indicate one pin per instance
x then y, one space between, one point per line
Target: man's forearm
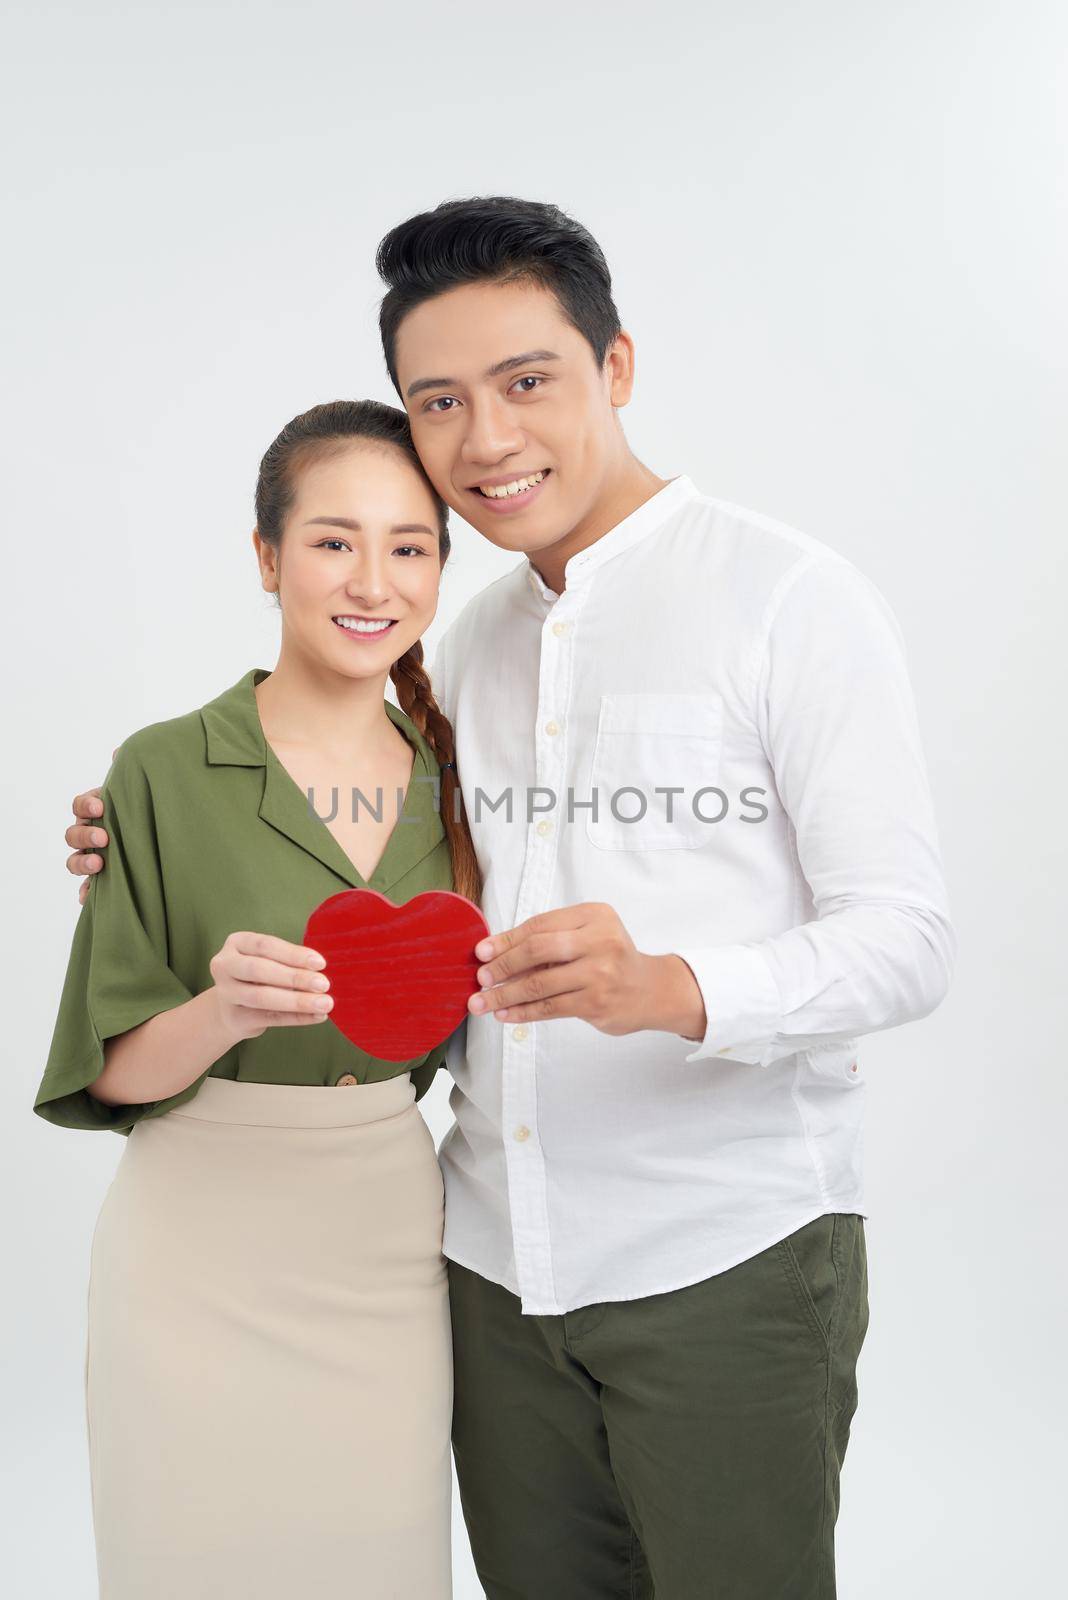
164 1055
835 978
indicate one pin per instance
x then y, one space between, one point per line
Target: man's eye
530 379
443 401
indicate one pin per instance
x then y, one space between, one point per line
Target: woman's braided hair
308 438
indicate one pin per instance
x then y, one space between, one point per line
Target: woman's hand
262 982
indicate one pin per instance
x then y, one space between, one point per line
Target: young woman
268 1377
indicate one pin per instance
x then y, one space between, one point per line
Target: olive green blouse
209 834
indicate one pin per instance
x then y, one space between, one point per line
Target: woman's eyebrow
355 527
495 371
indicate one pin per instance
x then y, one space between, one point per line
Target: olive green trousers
687 1445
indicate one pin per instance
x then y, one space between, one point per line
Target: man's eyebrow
507 365
354 527
524 360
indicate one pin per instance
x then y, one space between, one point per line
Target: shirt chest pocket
653 742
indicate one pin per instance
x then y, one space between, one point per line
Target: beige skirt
269 1374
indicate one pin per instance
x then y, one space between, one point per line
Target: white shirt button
544 827
521 1133
552 728
725 1050
560 628
520 1033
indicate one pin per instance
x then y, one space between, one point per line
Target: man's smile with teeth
500 491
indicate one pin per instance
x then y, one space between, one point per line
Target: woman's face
360 548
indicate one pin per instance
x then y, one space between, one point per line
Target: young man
691 763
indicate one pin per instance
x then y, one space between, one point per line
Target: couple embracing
674 755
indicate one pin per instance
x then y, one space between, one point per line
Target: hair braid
417 701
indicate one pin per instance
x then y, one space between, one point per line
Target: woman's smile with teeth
364 625
503 491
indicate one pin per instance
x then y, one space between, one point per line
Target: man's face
503 392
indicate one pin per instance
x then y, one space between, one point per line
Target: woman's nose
368 586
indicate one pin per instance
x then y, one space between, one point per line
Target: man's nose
490 436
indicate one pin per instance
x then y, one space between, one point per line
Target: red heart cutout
400 976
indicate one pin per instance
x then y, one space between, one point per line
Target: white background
838 236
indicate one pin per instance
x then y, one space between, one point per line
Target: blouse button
559 628
348 1078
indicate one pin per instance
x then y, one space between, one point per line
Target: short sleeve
117 973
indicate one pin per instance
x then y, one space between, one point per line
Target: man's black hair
497 239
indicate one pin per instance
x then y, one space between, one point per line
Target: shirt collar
234 732
235 737
645 520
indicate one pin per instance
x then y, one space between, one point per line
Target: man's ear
619 366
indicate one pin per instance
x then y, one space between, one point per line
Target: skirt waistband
298 1105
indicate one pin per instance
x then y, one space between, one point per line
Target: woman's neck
303 705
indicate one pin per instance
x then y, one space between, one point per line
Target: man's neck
628 489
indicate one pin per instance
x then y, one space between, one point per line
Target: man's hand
84 837
580 961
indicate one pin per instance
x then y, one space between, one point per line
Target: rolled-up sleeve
838 722
117 972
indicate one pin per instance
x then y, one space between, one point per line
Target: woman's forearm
164 1055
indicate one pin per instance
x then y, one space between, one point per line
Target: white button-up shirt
740 691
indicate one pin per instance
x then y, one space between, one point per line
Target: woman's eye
335 544
443 401
529 379
414 548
